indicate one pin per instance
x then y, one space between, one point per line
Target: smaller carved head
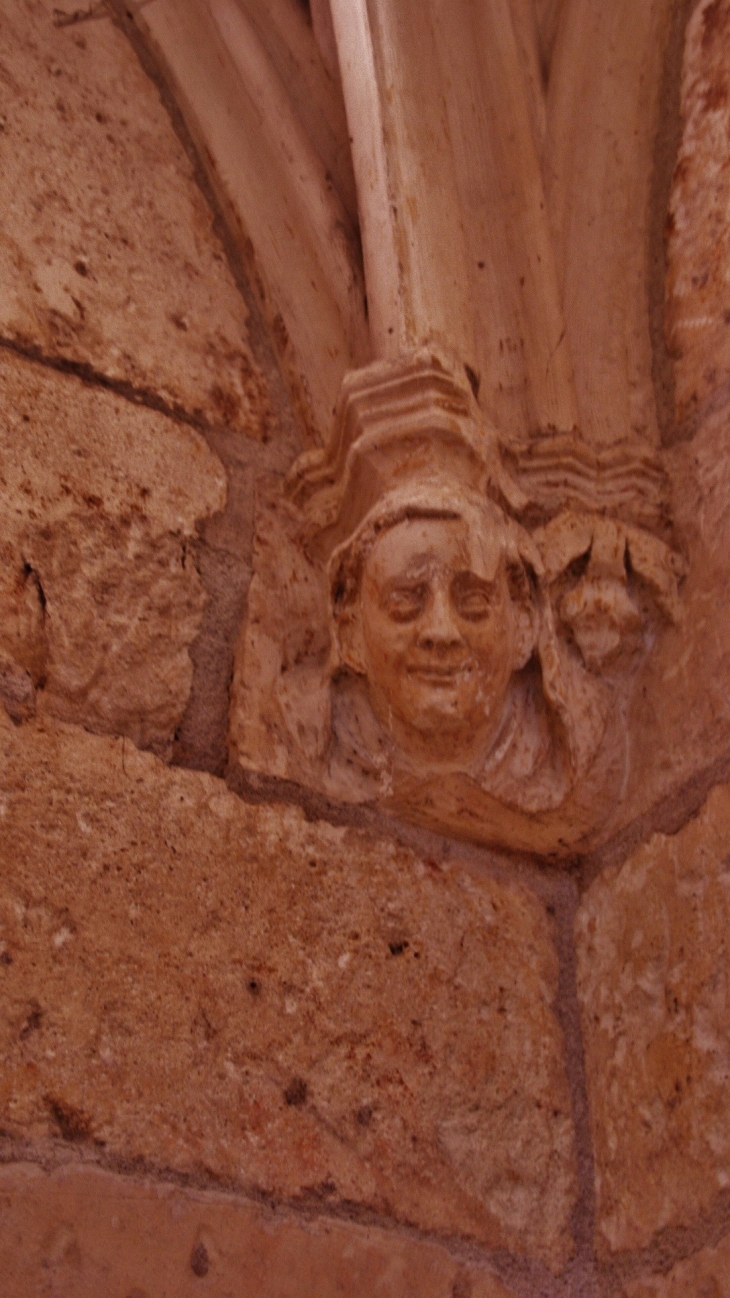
433 604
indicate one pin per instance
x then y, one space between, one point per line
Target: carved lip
435 675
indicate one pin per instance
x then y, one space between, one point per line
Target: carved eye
404 603
472 598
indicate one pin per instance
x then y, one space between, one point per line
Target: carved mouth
439 676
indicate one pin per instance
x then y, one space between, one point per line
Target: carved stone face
438 636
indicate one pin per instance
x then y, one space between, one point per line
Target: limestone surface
653 964
231 991
108 257
680 722
698 290
99 595
706 1275
680 717
86 1232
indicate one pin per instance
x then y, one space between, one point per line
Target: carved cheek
386 642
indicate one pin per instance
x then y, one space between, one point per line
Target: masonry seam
138 396
581 1278
669 816
56 1155
672 1245
123 14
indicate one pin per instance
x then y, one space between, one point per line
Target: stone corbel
470 643
598 608
493 453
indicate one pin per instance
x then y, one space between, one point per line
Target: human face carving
435 636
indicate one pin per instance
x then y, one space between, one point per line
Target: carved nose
438 629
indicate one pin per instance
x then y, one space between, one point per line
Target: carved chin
438 707
437 703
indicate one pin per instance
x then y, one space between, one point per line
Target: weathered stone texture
685 692
706 1275
680 719
698 286
654 966
82 1232
680 723
99 595
229 990
107 253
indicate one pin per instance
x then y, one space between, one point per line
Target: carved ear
349 639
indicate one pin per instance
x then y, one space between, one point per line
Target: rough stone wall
251 1042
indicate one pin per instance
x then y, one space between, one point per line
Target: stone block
108 256
315 1015
698 292
653 969
81 1232
99 595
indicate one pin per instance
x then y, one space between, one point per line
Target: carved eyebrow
404 584
418 567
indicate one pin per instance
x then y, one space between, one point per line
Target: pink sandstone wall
252 1043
